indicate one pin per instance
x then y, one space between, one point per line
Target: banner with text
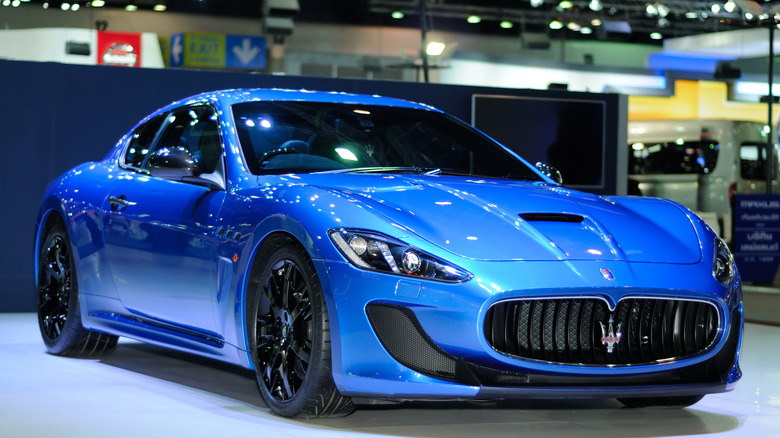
757 237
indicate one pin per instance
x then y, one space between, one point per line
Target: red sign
119 48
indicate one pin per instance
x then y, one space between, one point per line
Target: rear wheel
59 316
287 323
662 402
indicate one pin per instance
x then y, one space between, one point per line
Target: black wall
54 116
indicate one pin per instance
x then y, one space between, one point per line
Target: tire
57 298
289 335
662 402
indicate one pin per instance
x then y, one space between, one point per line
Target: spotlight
435 48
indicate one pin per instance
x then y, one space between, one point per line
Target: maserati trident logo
610 337
606 273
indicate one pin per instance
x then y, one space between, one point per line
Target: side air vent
552 217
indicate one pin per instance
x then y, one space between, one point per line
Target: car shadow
437 419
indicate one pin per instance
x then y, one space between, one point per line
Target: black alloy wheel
59 316
284 335
289 335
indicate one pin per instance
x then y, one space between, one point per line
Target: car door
158 229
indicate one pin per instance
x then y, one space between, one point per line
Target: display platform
143 390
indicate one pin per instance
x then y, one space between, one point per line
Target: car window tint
141 141
281 137
194 128
673 157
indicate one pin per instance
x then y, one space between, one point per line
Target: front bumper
400 339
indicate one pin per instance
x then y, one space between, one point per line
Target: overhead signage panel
211 50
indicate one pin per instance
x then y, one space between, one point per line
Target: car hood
489 219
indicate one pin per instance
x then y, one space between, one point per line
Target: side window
752 161
194 129
673 157
141 142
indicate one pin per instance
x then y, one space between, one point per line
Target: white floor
143 390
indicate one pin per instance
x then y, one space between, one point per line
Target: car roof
230 97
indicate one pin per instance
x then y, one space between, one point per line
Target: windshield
304 137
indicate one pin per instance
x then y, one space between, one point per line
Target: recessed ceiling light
474 19
397 15
506 24
656 36
556 24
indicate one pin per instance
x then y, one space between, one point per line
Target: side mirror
173 162
550 172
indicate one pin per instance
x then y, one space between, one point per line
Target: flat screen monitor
565 133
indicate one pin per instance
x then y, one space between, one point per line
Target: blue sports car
355 248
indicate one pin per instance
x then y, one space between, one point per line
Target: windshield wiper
396 169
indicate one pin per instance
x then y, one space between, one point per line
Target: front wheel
287 324
59 316
662 402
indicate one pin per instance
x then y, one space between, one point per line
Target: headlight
378 252
723 267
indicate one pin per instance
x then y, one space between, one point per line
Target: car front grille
585 332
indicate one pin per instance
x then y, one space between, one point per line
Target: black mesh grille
400 333
570 331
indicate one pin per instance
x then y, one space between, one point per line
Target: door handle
119 202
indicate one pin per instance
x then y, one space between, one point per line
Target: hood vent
552 217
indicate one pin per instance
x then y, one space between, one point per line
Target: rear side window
674 157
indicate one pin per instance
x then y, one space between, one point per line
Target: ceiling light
65 6
651 9
595 22
748 16
537 3
506 24
691 15
474 19
595 5
131 8
45 5
16 3
435 48
656 36
730 6
663 10
397 15
574 26
98 4
586 31
160 7
715 8
555 24
663 22
565 5
74 7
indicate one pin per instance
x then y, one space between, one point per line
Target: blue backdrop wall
55 116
